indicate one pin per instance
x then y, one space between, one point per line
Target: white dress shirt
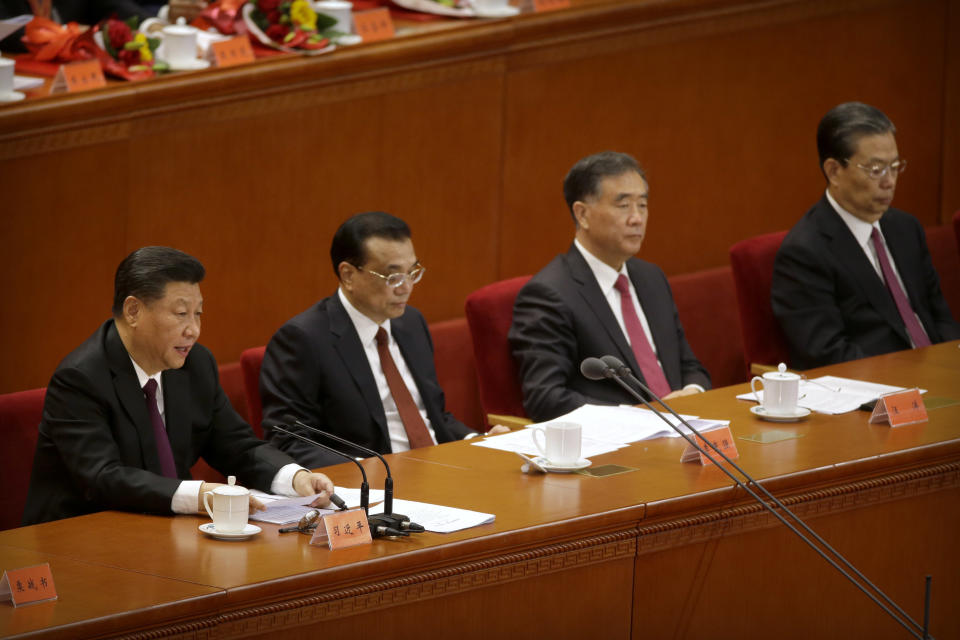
861 231
186 498
606 277
367 331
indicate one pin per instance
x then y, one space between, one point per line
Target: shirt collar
605 275
142 376
860 229
366 328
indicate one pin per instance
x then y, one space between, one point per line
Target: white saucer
582 463
348 39
501 12
248 532
12 96
762 413
189 65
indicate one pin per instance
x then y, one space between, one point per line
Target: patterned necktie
164 452
649 367
417 433
914 328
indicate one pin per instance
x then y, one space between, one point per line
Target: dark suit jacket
315 369
561 317
96 448
830 301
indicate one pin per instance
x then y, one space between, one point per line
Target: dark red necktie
164 452
649 367
417 433
914 328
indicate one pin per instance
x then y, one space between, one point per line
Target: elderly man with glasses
359 363
853 278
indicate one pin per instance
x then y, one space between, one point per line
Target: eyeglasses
877 170
395 280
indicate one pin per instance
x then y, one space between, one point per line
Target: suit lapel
176 394
590 291
852 258
132 399
348 347
660 320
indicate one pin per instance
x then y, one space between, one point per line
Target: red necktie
914 328
417 433
649 367
164 452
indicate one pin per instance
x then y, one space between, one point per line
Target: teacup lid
781 373
179 29
231 488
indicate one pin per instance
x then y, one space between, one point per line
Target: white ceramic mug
231 507
489 6
6 75
561 442
340 10
780 390
179 43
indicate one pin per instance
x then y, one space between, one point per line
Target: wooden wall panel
466 132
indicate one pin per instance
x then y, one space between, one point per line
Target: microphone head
614 363
595 369
290 419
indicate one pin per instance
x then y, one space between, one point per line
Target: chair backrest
490 314
706 302
231 380
20 415
457 371
752 263
250 361
944 253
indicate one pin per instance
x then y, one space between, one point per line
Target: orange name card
229 53
28 585
345 529
374 25
900 408
78 76
550 5
721 438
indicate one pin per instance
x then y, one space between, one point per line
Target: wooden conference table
670 550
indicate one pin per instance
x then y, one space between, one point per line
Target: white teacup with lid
780 390
180 44
231 506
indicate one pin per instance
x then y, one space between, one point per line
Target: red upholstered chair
490 314
946 260
250 361
708 311
20 415
457 371
231 379
752 263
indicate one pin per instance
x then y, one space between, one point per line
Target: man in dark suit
853 278
598 300
359 363
130 411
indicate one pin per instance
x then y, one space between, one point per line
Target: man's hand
207 487
497 429
681 392
307 484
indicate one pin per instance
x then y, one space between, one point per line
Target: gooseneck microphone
388 520
610 367
334 498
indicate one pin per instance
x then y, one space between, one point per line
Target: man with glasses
359 363
853 278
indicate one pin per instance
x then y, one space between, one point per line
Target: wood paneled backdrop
466 131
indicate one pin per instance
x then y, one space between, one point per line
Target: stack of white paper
436 518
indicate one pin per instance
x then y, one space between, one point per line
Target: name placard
28 585
374 25
900 408
343 529
721 438
230 53
550 5
78 76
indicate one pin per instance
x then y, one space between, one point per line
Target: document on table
834 395
622 424
436 518
521 441
287 510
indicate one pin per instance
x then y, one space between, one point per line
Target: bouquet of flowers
132 49
289 24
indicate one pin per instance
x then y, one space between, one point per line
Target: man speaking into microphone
598 299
